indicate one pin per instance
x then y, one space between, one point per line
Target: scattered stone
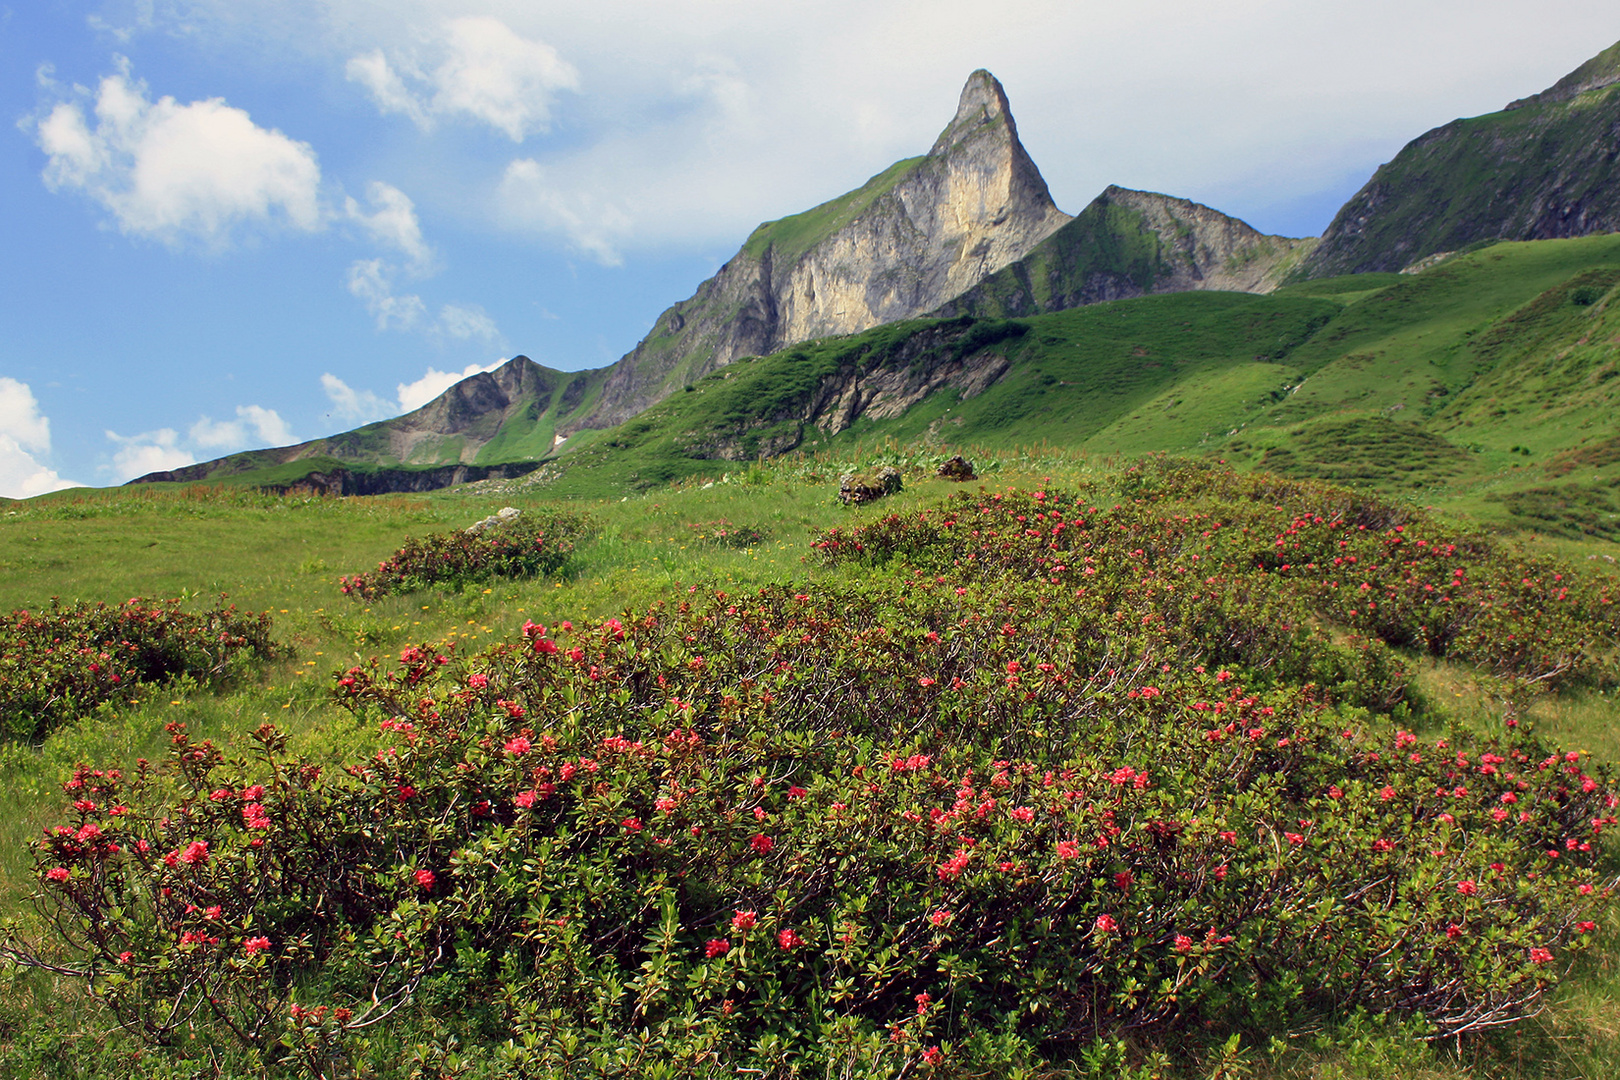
499 517
957 468
872 484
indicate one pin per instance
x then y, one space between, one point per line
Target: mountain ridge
916 234
1544 167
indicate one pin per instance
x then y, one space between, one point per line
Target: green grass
789 238
284 554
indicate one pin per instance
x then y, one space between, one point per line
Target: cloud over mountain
174 173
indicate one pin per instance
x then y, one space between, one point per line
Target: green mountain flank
1487 382
1132 243
1544 167
484 421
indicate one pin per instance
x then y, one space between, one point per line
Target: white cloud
393 222
591 224
24 433
488 73
371 280
253 424
175 172
150 451
349 404
467 321
414 395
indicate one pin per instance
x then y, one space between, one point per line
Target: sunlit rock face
915 236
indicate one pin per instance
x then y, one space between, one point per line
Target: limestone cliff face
1130 243
1545 167
911 238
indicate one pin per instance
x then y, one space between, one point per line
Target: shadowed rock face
1543 168
913 237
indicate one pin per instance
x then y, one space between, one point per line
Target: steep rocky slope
1542 168
911 238
1131 243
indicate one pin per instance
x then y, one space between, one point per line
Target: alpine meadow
961 640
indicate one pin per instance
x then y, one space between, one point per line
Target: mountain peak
1600 71
983 104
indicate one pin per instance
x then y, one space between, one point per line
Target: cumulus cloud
174 172
364 406
372 281
413 395
466 322
150 451
24 433
349 404
392 221
487 73
592 224
253 424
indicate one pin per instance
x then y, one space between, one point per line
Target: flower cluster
59 664
537 543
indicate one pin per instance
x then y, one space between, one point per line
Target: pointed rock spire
983 105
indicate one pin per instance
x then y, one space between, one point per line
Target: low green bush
536 543
62 663
955 825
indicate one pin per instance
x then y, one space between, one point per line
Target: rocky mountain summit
914 236
1132 243
1543 168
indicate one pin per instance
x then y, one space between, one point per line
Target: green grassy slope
791 237
1485 383
1434 383
1542 168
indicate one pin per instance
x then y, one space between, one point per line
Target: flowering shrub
966 823
722 533
60 664
536 543
1260 560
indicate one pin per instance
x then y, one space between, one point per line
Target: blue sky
237 223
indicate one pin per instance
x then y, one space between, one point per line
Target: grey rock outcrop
911 238
869 486
498 518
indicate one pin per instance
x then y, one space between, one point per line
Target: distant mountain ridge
1543 168
491 418
967 237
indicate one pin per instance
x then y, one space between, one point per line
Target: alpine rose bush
60 664
962 821
536 543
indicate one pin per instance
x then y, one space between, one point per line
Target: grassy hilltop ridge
1542 167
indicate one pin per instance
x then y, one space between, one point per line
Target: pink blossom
1105 924
425 878
255 945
